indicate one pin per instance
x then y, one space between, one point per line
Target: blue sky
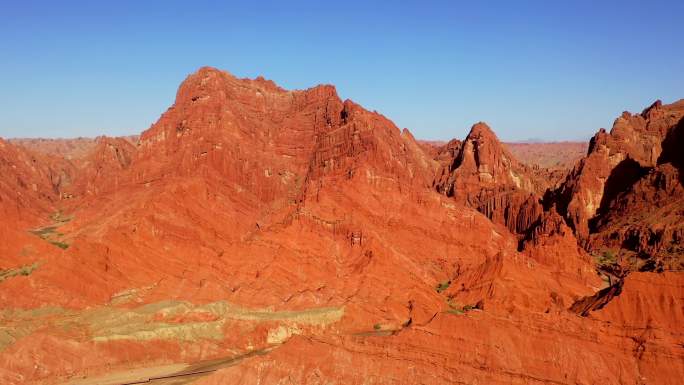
531 69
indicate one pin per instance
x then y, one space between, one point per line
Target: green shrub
457 309
24 271
606 258
377 326
609 255
61 245
49 234
442 286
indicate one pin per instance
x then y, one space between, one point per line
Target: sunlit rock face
259 235
484 175
626 194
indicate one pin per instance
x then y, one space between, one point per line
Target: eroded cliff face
259 235
553 244
271 142
585 350
484 175
624 198
31 183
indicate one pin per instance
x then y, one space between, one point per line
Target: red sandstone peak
481 130
486 176
446 153
223 124
484 157
653 109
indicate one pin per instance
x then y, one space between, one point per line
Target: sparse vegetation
58 216
455 308
50 233
44 232
455 311
23 271
442 286
606 258
61 245
377 326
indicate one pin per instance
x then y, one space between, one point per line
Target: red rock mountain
484 175
259 235
30 182
625 196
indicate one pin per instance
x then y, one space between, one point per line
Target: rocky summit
257 235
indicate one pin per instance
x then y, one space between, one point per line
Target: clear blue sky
532 69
